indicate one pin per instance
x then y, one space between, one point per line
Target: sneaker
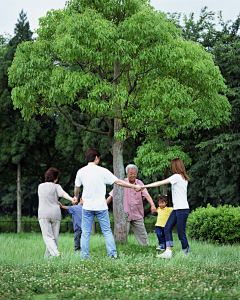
113 257
166 254
160 248
186 251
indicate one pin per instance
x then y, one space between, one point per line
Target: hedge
219 225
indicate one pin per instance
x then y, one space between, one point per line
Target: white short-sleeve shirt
179 191
94 179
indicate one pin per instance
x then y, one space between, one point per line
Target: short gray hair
130 167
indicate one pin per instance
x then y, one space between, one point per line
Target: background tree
22 33
123 62
215 166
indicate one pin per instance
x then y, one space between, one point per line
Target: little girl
179 181
163 214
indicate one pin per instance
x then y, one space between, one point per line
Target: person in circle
179 182
94 178
49 212
133 205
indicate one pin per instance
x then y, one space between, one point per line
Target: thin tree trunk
19 206
166 172
120 217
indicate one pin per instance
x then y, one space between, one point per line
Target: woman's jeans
178 216
87 220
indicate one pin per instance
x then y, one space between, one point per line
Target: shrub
219 225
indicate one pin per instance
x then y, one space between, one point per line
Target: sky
9 9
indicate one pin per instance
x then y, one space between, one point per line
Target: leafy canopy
166 83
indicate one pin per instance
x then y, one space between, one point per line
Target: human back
94 178
49 193
179 191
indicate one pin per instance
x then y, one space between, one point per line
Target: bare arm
76 193
66 196
126 184
150 200
109 199
157 183
64 207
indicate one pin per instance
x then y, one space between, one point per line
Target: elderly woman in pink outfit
133 205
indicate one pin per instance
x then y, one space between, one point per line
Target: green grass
208 272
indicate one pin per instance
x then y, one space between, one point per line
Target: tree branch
79 125
136 79
129 81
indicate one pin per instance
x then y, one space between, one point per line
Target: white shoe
166 254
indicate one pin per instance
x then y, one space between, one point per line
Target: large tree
124 62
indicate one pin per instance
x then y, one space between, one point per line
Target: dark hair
91 153
51 175
163 198
177 167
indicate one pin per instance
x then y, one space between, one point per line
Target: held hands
60 204
74 201
138 188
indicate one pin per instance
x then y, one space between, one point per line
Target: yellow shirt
163 215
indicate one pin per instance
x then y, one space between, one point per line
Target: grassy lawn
208 272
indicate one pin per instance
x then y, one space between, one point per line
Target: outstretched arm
157 183
154 184
126 184
64 207
66 196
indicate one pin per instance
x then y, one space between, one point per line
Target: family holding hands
94 179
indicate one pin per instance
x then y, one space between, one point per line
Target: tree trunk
19 206
120 217
166 173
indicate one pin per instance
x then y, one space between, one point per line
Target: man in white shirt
94 179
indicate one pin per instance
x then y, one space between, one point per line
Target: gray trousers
139 231
50 232
77 239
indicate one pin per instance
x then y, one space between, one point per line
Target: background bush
219 225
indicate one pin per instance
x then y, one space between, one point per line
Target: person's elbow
118 182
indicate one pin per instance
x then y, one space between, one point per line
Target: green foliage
154 156
165 81
219 225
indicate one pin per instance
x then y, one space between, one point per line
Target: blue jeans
77 239
87 220
161 237
178 216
